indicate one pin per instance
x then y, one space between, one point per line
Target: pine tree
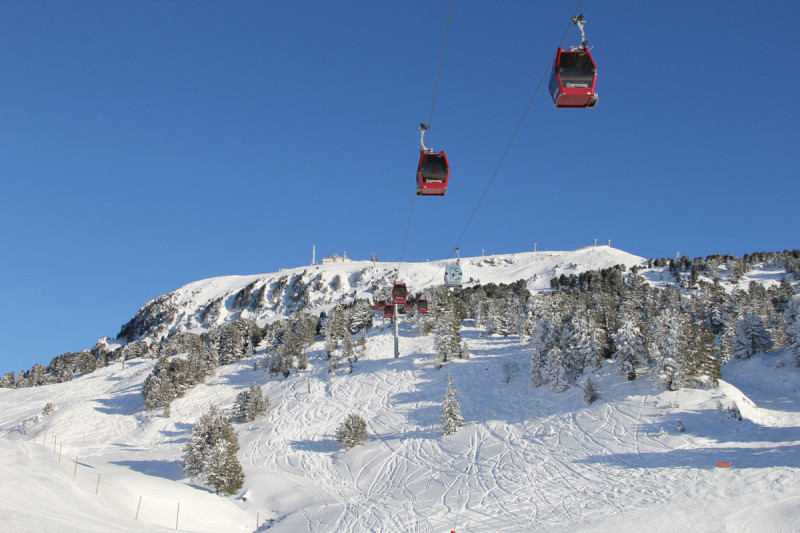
556 370
7 382
628 347
361 343
493 321
352 432
449 314
667 347
224 471
158 390
538 364
792 324
581 345
258 403
700 358
250 404
451 410
589 391
210 454
348 348
240 406
751 337
334 329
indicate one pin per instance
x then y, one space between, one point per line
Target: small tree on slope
352 432
451 410
210 454
250 404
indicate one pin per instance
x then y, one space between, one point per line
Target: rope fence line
93 483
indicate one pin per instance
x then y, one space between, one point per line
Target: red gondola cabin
388 311
433 172
422 305
399 293
572 82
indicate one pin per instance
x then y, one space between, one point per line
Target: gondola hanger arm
579 21
423 128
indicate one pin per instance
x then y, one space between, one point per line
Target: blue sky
146 145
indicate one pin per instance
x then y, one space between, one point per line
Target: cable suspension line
508 146
426 127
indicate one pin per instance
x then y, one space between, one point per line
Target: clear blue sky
146 145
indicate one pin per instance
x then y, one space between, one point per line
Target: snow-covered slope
526 460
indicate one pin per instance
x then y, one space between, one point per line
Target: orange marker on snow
725 464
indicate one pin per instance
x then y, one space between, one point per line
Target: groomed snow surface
526 460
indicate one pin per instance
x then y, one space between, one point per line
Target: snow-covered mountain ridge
263 297
204 304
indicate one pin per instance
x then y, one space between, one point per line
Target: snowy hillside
527 459
640 458
203 304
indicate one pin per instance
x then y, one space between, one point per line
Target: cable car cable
441 62
510 142
430 120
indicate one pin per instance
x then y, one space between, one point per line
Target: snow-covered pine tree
669 330
555 370
348 347
700 358
727 339
581 346
543 340
250 404
158 390
334 329
224 471
285 352
792 325
451 417
628 347
210 453
7 382
538 364
494 322
352 432
359 315
361 343
448 338
240 406
751 337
